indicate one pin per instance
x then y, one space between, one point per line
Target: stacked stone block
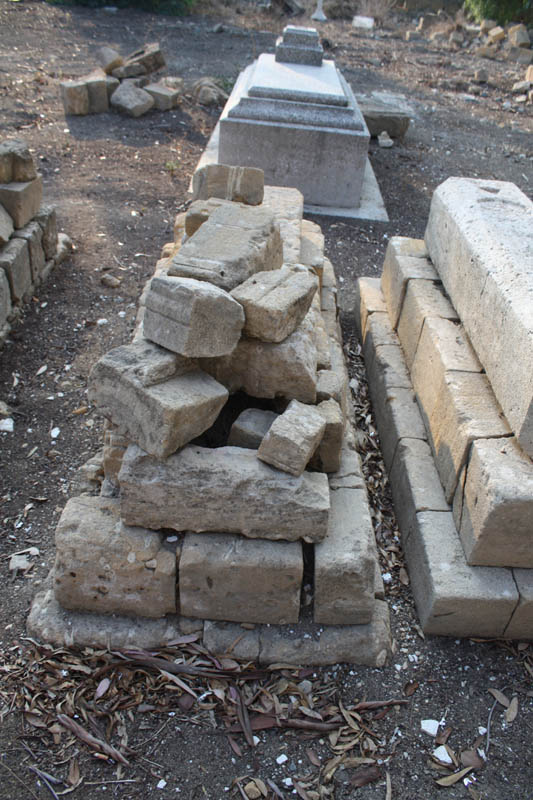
30 246
447 343
229 453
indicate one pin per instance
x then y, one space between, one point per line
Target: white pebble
430 726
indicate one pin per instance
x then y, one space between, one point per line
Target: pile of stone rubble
448 346
232 493
30 246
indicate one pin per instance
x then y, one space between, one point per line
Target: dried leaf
500 697
234 746
313 758
410 688
365 775
472 759
102 688
443 735
404 577
512 711
388 791
74 773
37 720
92 741
450 780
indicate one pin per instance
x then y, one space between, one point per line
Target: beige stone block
496 34
22 200
397 417
75 97
32 233
165 98
466 410
423 299
292 438
149 56
368 299
275 302
109 59
228 577
521 624
405 259
350 472
97 90
312 247
115 445
493 506
199 212
414 482
327 457
241 184
130 100
453 598
104 566
16 162
378 333
322 341
226 490
15 263
250 428
344 562
287 206
47 219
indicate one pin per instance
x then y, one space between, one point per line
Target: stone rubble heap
232 491
448 346
30 246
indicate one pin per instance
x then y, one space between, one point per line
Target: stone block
16 162
228 577
275 302
422 299
452 598
22 200
496 34
47 219
493 506
111 84
97 91
75 97
344 562
250 428
350 472
127 72
234 243
265 369
108 58
230 639
312 247
484 259
131 100
287 203
199 212
240 184
226 490
327 457
521 624
404 259
414 482
378 333
6 226
15 262
443 347
156 399
292 438
368 299
384 111
397 417
192 318
32 233
149 56
115 445
466 410
104 566
5 299
165 98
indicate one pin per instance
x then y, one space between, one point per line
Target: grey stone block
15 261
97 92
16 162
5 299
239 184
397 417
47 219
521 624
327 457
33 235
378 332
75 97
22 200
414 482
250 428
229 639
422 299
6 226
292 438
131 100
404 259
165 98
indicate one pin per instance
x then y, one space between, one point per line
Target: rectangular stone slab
228 577
292 438
480 238
225 490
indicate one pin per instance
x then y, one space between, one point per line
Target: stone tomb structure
294 116
448 345
228 491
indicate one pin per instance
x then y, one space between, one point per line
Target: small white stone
162 783
281 759
7 425
430 726
442 754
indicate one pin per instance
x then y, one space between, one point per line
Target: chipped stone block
149 56
422 299
225 490
312 247
33 235
104 566
165 98
15 262
22 200
250 428
344 562
47 219
155 398
265 369
131 100
368 299
350 473
199 212
5 299
484 260
227 577
275 302
128 72
378 332
404 259
192 318
75 97
108 58
16 162
241 184
292 438
111 84
493 506
323 349
327 456
235 242
452 598
397 417
97 90
6 226
287 206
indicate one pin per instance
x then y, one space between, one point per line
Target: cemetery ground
118 184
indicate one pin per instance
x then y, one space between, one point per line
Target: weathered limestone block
377 333
275 302
404 259
225 490
466 410
88 477
131 100
192 318
250 428
155 398
6 226
165 98
199 212
485 261
47 219
111 84
493 506
241 184
452 598
104 566
292 438
368 299
22 200
15 262
228 577
109 59
350 472
97 90
521 624
287 206
32 233
327 457
16 162
128 72
518 36
323 349
75 97
312 248
414 482
422 299
115 445
5 299
235 242
265 369
443 347
344 562
150 56
332 384
397 417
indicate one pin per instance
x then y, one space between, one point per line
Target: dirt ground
118 184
